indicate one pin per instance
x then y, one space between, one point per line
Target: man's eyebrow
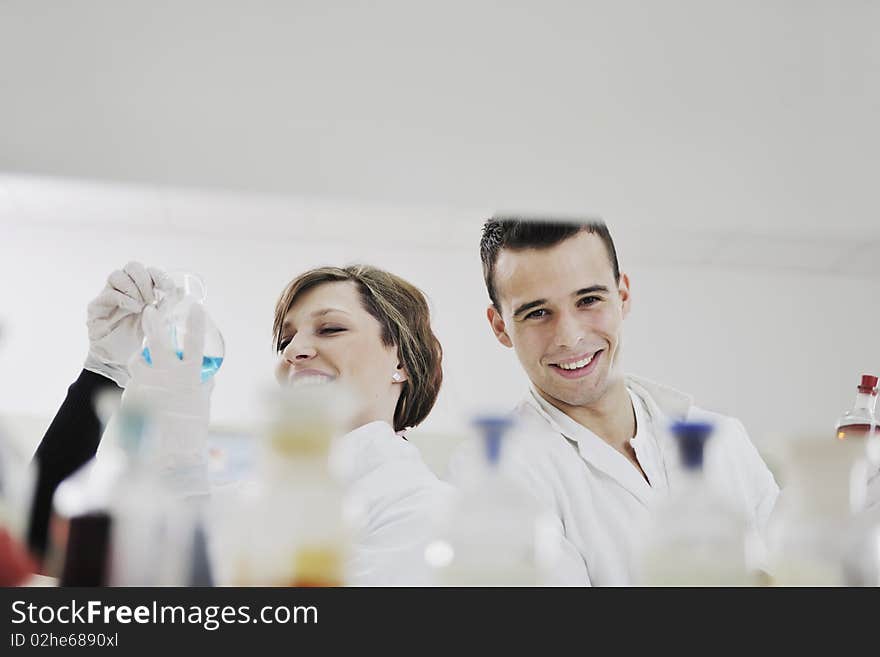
591 290
528 306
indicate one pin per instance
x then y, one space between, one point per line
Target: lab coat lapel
665 405
596 452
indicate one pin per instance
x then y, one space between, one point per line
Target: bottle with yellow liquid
289 528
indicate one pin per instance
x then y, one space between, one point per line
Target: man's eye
588 301
283 344
330 329
536 314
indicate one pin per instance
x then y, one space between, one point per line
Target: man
594 447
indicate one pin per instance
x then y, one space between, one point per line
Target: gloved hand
176 402
114 319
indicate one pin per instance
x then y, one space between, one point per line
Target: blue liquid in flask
210 364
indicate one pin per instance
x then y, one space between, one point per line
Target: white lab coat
600 499
396 499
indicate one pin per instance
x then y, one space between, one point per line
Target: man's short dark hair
515 233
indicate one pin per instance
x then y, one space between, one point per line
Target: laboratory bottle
79 526
173 308
153 526
494 533
817 531
860 419
287 527
115 521
16 480
17 483
695 537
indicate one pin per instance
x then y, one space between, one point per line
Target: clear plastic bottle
695 537
117 522
287 527
153 527
493 534
860 419
817 534
174 308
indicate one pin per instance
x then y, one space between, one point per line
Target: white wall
777 348
733 147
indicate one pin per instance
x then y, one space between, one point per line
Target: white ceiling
734 133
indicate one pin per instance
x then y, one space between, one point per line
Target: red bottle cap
868 384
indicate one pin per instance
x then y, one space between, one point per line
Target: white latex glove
114 318
175 400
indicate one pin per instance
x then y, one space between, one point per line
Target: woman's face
327 335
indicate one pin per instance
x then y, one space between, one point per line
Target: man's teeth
578 365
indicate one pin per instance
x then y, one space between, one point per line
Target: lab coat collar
662 403
370 445
595 451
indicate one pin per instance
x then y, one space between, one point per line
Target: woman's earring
396 377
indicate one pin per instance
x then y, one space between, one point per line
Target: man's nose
568 330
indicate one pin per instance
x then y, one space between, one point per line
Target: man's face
562 312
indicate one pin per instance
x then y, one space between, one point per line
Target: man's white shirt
599 498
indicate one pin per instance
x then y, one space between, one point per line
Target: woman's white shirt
394 500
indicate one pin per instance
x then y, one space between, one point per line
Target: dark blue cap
692 436
493 428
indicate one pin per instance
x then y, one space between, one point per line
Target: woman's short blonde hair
402 311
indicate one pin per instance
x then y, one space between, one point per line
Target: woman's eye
588 301
536 314
330 329
283 344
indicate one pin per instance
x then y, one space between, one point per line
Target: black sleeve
70 441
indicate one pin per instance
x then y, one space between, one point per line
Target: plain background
731 146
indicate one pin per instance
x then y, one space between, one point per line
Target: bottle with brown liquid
860 421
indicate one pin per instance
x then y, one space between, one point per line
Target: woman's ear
399 375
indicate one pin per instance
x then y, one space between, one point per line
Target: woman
358 325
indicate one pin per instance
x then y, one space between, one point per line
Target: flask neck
865 402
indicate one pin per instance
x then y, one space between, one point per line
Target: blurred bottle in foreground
117 521
16 491
287 527
860 419
695 537
821 532
494 533
154 527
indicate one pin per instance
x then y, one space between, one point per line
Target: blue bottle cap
493 427
692 437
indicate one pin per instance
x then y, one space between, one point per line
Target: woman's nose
299 350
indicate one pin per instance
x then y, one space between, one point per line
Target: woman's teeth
311 380
577 365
